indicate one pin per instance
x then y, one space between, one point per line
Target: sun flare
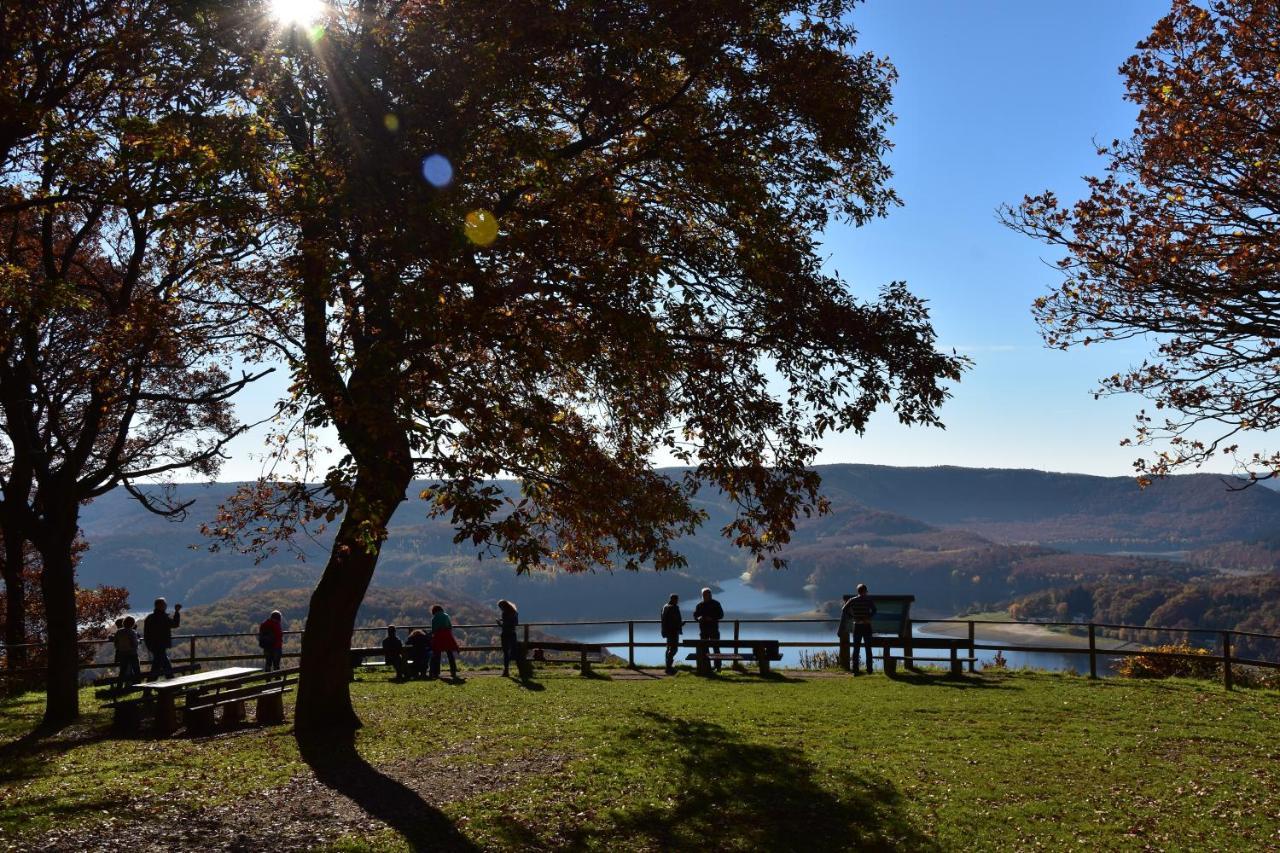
300 13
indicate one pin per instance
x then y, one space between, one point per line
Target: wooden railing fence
1222 643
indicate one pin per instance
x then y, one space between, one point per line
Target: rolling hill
955 536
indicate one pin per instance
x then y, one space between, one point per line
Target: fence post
1226 659
526 633
1093 651
972 652
193 650
735 631
631 644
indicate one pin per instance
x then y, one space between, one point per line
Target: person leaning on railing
859 610
157 634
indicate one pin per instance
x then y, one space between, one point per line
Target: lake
761 613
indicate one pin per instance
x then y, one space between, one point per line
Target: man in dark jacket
708 614
157 633
859 609
672 626
392 650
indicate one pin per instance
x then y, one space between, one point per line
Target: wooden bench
112 678
535 650
909 658
230 694
762 653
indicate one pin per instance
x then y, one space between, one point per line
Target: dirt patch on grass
303 814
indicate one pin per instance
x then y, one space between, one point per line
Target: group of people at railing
420 654
157 636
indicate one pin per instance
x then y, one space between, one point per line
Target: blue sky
996 99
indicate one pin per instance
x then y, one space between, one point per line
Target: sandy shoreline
1018 634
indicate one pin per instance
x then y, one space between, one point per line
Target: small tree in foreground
1179 242
552 242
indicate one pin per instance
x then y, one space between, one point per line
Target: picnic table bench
536 650
167 692
908 656
762 653
231 694
109 679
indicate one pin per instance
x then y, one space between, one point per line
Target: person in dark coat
672 626
392 652
859 610
419 653
509 619
157 634
708 614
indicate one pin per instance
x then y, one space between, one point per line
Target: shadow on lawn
340 767
731 793
945 679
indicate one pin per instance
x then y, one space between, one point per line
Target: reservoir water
763 614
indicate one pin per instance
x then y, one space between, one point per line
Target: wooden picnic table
167 691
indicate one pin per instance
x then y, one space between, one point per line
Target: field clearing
1014 760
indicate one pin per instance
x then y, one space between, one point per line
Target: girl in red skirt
442 641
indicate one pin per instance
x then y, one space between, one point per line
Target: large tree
556 241
1178 243
120 217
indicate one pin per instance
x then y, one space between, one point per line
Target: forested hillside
955 537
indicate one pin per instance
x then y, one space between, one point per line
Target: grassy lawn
996 761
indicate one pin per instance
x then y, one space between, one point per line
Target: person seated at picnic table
271 640
157 634
442 641
125 641
392 650
419 652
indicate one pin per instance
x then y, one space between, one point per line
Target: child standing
126 643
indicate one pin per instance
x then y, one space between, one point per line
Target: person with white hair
708 614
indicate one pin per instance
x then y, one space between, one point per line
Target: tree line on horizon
544 250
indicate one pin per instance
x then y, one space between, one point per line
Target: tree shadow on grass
339 766
29 755
738 794
946 679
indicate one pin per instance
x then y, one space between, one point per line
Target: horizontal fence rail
1222 654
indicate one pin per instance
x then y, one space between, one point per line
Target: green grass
996 761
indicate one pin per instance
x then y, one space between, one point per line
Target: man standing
271 639
157 633
672 626
708 614
859 610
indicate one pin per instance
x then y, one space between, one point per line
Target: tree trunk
58 585
324 693
15 602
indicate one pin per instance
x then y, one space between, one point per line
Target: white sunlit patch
301 13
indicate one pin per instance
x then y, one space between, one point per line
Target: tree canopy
1178 242
122 180
554 242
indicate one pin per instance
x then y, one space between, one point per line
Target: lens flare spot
391 122
481 227
437 170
